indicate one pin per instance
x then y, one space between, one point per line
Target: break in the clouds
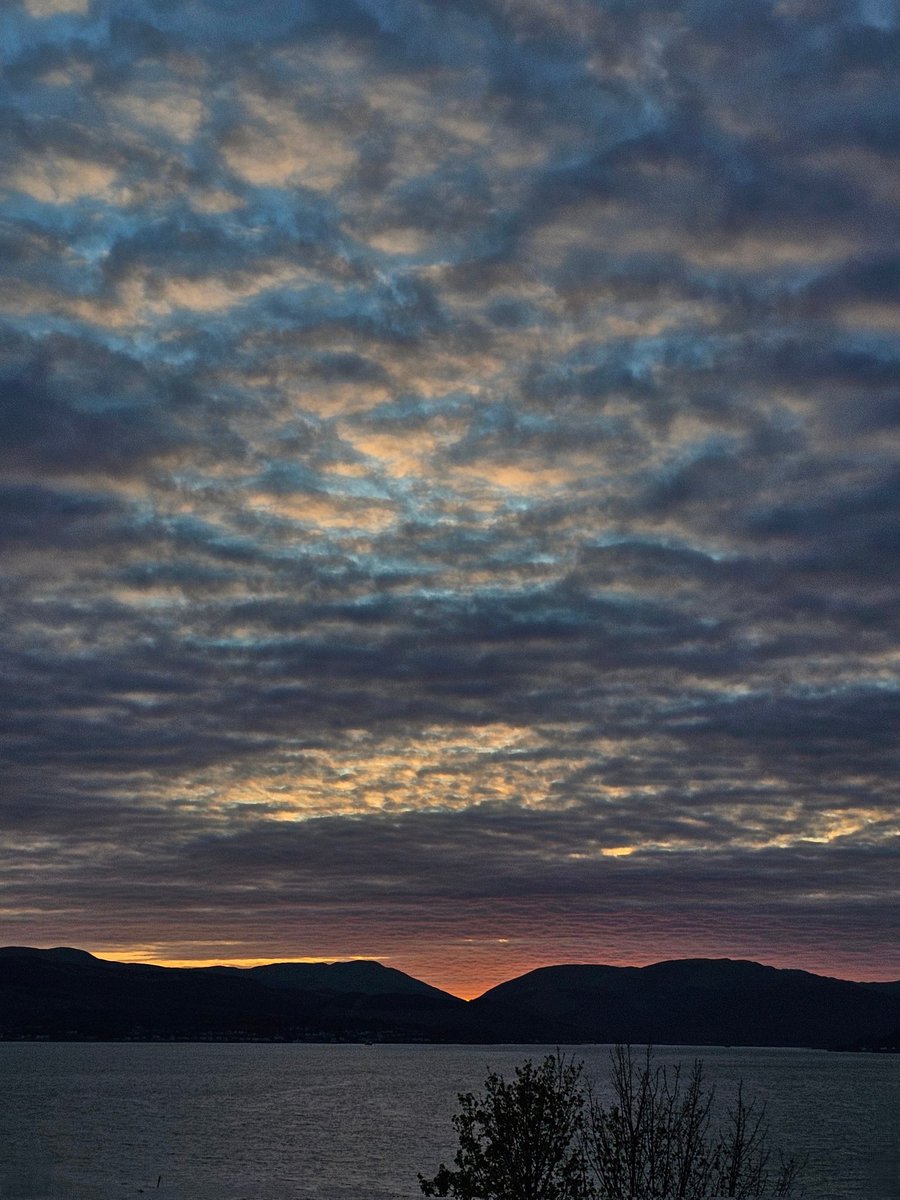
450 494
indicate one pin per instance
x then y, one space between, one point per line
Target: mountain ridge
64 993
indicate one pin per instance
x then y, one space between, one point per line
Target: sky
450 502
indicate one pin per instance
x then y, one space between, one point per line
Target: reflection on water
298 1122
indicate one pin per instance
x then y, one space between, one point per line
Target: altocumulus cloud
450 486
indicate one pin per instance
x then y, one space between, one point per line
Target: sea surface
110 1121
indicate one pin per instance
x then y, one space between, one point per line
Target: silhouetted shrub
657 1141
520 1140
544 1136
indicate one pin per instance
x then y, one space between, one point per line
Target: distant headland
66 994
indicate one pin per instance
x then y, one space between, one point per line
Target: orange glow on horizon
160 960
457 983
468 979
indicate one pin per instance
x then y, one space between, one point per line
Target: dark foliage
657 1140
521 1139
544 1136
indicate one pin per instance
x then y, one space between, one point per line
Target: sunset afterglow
450 488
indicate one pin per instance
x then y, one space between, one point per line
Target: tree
519 1140
657 1140
545 1137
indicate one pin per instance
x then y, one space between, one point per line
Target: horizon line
247 964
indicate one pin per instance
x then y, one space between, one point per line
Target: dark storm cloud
453 437
71 406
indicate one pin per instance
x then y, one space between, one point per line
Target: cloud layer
450 494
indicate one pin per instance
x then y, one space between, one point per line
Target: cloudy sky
450 500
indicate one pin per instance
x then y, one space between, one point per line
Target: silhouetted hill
360 975
889 1044
696 1002
68 994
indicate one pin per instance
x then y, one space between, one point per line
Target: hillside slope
696 1002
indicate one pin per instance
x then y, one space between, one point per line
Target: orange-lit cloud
450 479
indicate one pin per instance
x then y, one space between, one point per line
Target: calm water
297 1122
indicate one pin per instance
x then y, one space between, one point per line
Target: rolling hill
696 1002
68 994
